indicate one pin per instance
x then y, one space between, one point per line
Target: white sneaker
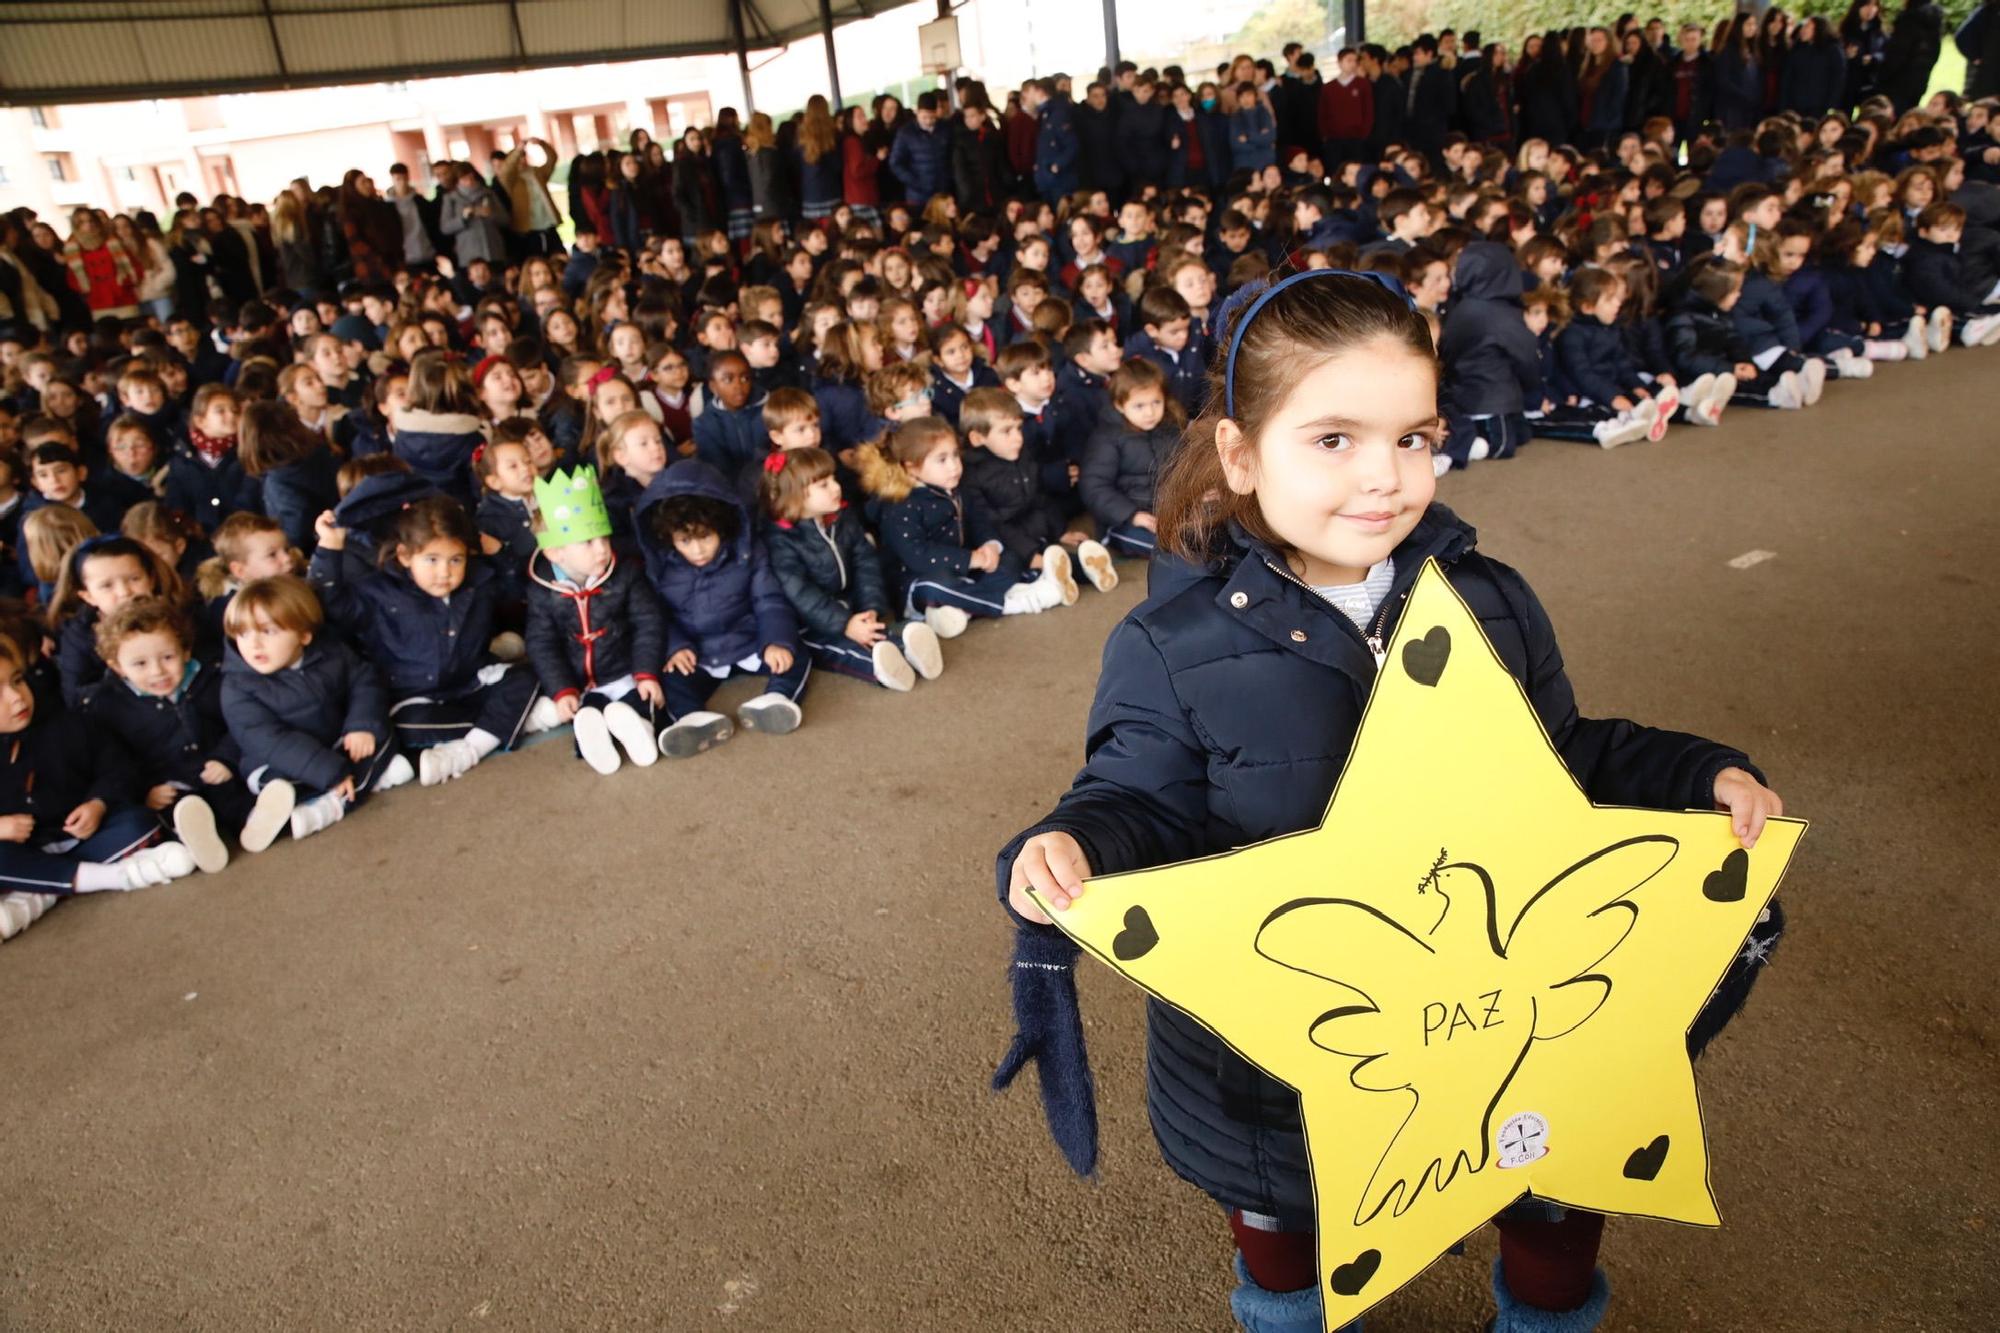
632 732
1057 570
1788 393
508 646
1097 564
1886 349
1982 331
1722 394
156 865
194 824
772 714
1620 430
920 645
593 741
1917 339
1695 396
270 815
18 911
892 670
317 815
1812 378
1668 396
1852 367
544 716
947 622
1938 332
1480 450
395 773
694 733
1660 414
1025 599
442 763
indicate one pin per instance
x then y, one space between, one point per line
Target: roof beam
277 43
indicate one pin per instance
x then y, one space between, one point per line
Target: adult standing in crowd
697 190
531 212
820 162
1911 52
471 217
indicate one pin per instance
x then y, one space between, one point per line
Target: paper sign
1479 983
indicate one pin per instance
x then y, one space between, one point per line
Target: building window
58 169
40 117
129 174
3 175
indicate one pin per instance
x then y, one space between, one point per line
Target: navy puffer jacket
1120 467
829 572
582 637
438 447
209 494
1593 360
1215 727
731 608
425 645
167 740
1763 317
1491 364
296 494
291 721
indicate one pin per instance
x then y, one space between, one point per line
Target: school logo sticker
1443 981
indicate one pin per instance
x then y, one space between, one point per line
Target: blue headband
1382 280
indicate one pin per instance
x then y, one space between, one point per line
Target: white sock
482 742
542 717
1028 598
395 773
99 877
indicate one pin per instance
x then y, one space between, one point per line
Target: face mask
1208 104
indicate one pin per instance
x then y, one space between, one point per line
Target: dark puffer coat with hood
1228 703
729 609
1492 365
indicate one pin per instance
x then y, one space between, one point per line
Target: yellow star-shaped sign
1479 988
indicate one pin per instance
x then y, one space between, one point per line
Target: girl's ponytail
881 475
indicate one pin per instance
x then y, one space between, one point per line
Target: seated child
506 515
426 618
630 453
1003 480
729 433
596 635
1092 355
135 454
1028 373
48 536
726 614
1122 463
942 553
956 370
1594 362
101 575
1706 349
437 432
295 467
1846 252
164 716
832 577
248 547
1166 320
66 826
1934 275
308 713
1764 322
170 535
59 478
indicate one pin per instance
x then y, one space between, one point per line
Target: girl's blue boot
1515 1317
1261 1311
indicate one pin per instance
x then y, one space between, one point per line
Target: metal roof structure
55 51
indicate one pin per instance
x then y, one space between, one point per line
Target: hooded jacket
582 637
438 447
829 572
730 609
291 720
1491 367
1218 724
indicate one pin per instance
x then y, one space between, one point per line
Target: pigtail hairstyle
1301 327
785 478
885 465
421 522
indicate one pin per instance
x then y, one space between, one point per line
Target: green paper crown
572 508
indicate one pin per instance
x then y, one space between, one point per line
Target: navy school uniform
1934 275
1187 373
1121 468
511 523
47 770
928 538
77 661
1025 517
844 418
1593 362
441 678
171 739
729 610
1079 407
296 494
104 502
1224 715
830 572
730 441
621 493
1703 340
438 447
595 642
1492 374
288 724
1763 317
1039 444
948 396
211 493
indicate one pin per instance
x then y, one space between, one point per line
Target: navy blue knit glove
1049 1031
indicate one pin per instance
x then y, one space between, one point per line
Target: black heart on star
1645 1163
1424 658
1351 1277
1138 937
1731 882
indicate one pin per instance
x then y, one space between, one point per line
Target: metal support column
832 62
742 42
1354 13
1111 36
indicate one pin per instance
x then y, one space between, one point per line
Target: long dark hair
1301 326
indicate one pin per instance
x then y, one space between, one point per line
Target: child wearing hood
726 613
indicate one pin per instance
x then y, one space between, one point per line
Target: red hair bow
601 377
774 462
